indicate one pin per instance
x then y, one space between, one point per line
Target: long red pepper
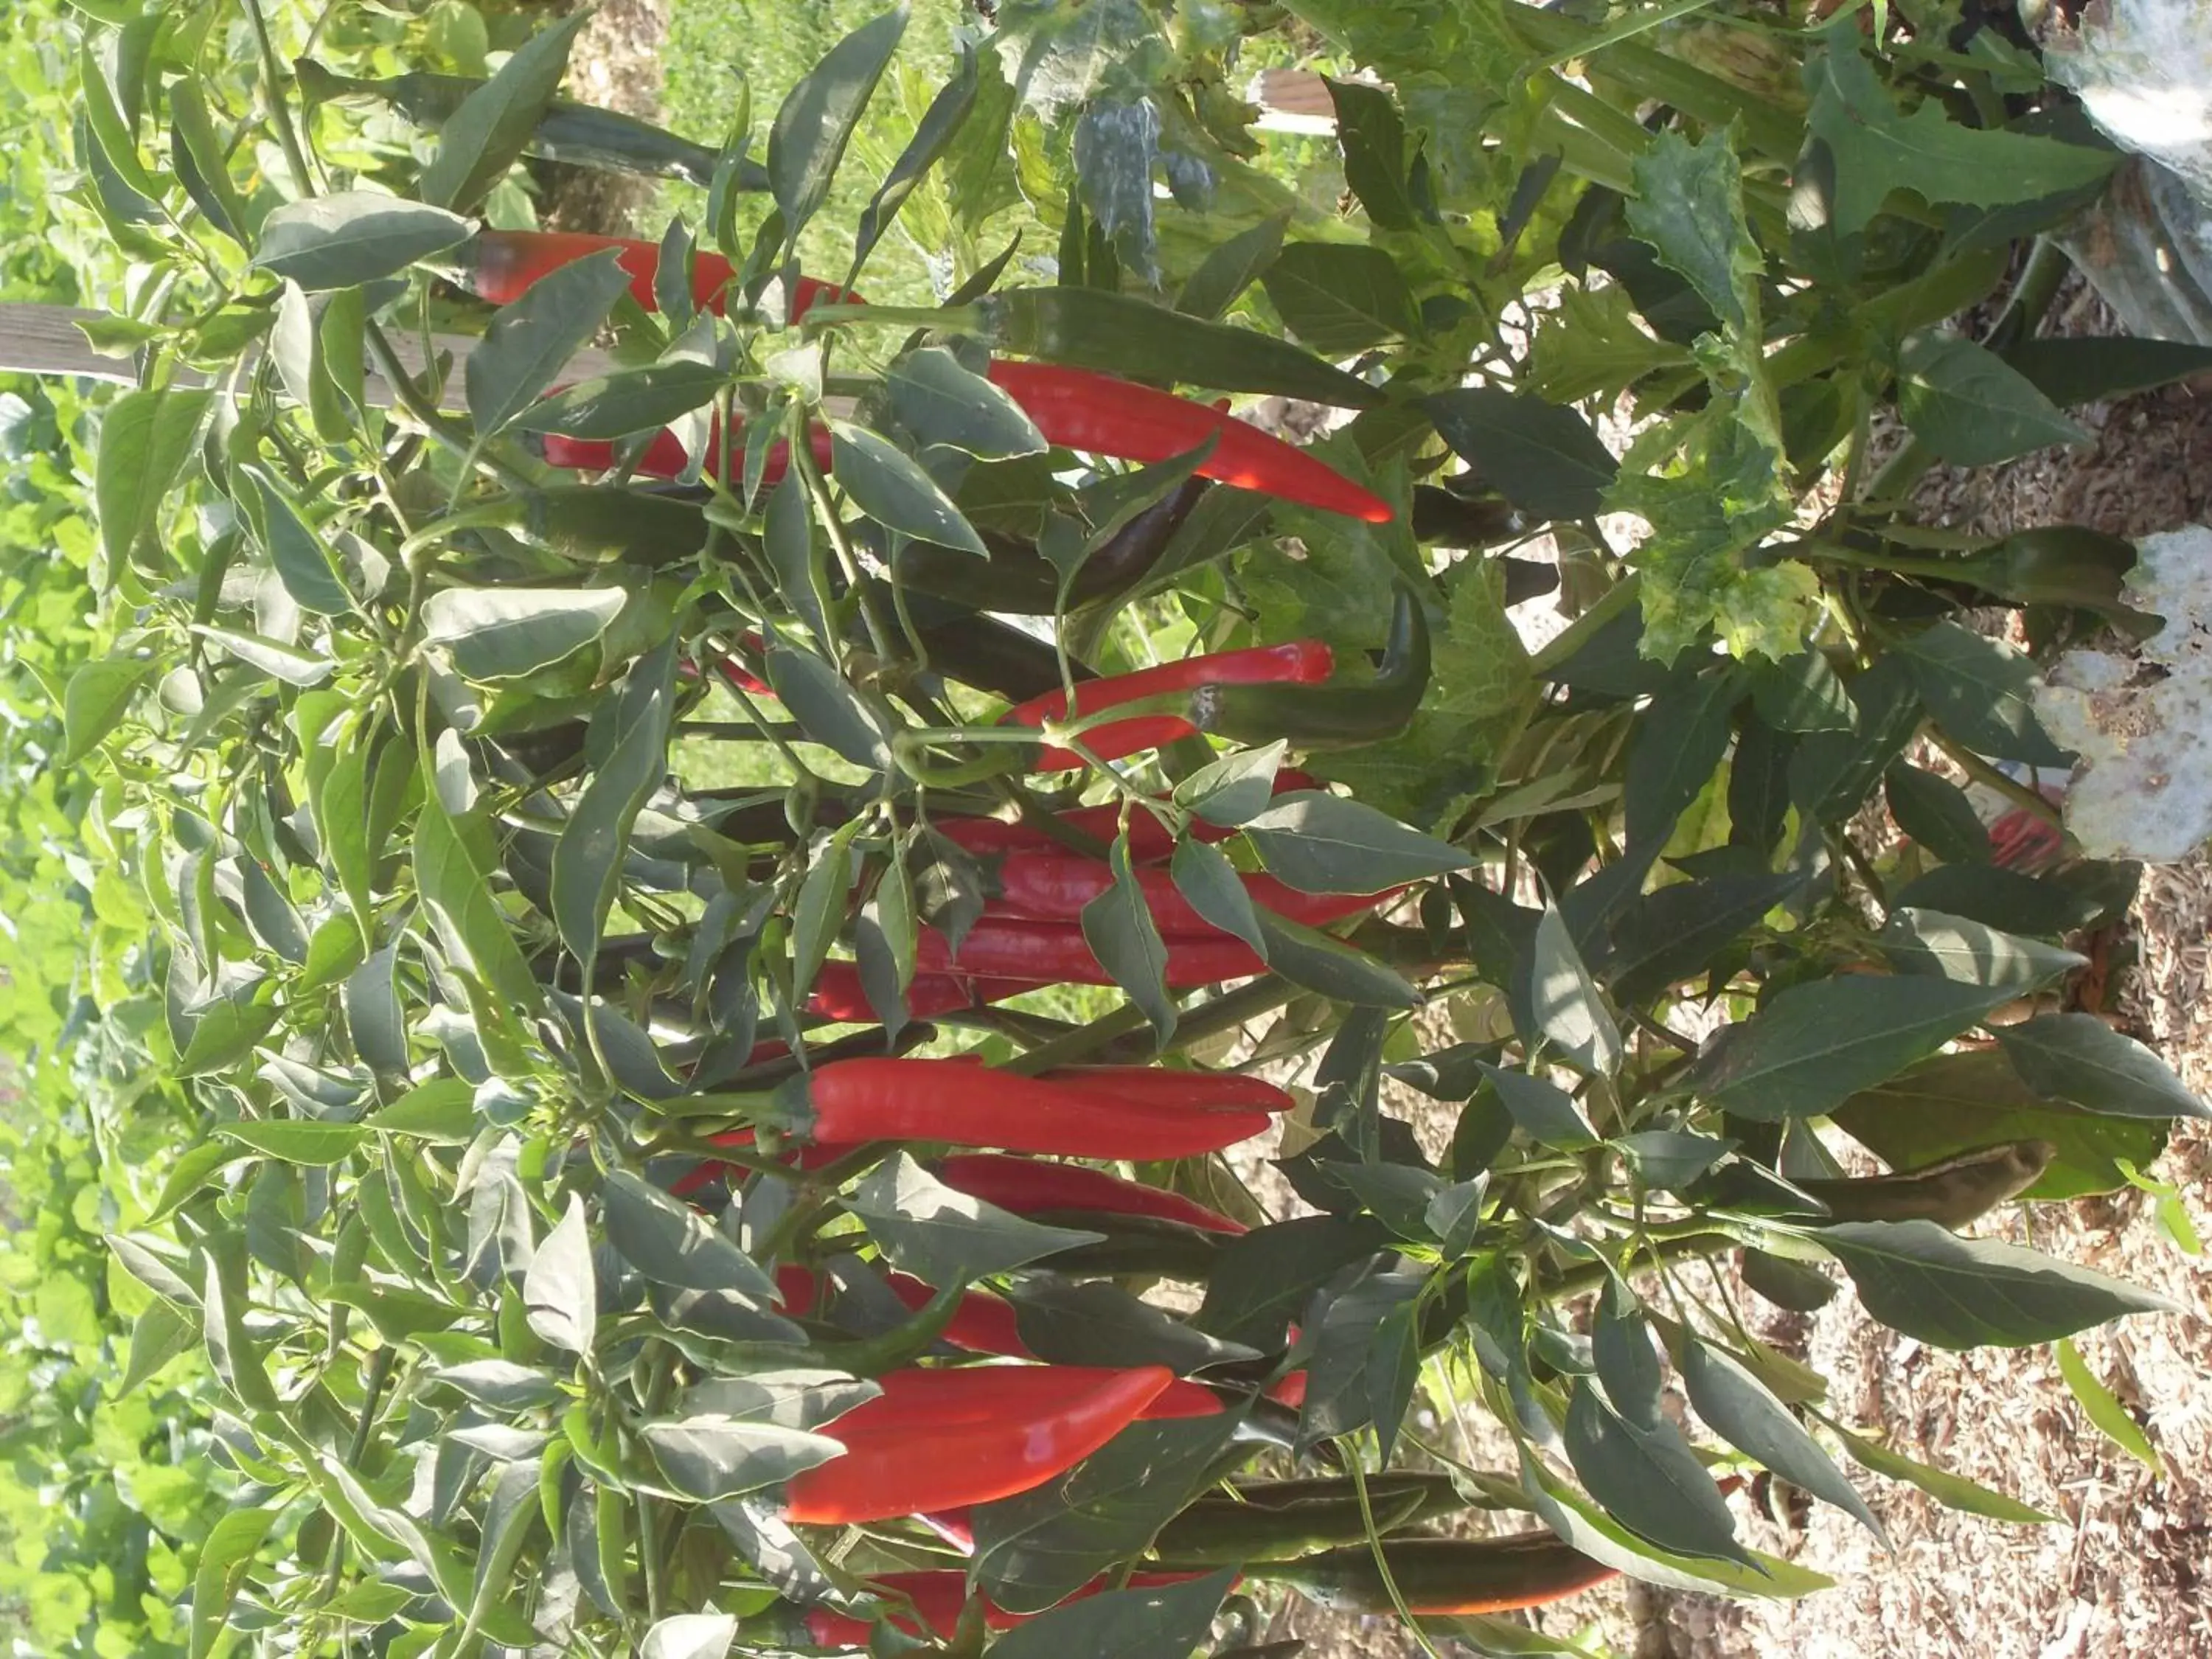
1148 837
838 994
664 456
499 265
887 1470
1076 408
1072 408
1055 886
923 1400
1005 946
1026 1187
982 1323
851 1100
1299 662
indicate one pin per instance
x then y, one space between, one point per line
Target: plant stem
1988 775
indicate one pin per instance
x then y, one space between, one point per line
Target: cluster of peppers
938 1439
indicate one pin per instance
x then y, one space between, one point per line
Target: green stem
1980 771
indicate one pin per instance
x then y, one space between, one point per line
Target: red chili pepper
851 1100
1026 1187
889 1470
983 1323
1057 952
1300 662
1076 408
1161 1087
732 671
499 265
1054 886
838 995
664 456
923 1399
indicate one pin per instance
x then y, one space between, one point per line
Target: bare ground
2122 1568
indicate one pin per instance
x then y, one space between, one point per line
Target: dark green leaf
1541 456
940 123
1952 947
1373 135
818 118
1324 843
1817 1044
1674 934
945 1238
1970 407
227 1556
143 439
713 1457
671 1243
1981 691
1033 1551
1359 1327
1233 789
158 1335
941 403
1317 962
1878 148
2073 372
1204 875
1678 747
560 1292
2079 1058
1568 1007
1799 694
1597 1534
1230 269
1261 1280
825 707
1917 1279
303 564
890 487
496 121
471 928
1341 298
1953 1492
352 238
1995 897
1936 812
316 1145
1648 1478
531 341
1097 1323
98 697
1165 1621
1543 1111
1118 926
505 633
1743 1411
1123 335
635 400
587 859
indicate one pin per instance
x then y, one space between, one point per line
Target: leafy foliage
455 876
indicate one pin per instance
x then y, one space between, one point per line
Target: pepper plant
615 1178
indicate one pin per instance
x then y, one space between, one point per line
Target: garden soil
2123 1567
